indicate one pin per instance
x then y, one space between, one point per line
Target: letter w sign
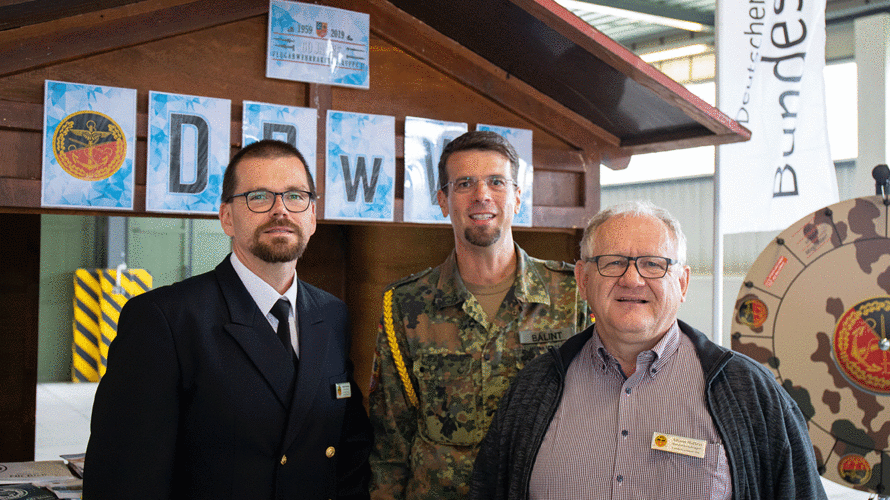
361 175
360 167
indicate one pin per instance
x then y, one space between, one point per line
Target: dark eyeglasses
496 183
648 266
262 200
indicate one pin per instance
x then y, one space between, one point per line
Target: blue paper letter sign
295 126
89 145
424 141
361 167
521 139
188 150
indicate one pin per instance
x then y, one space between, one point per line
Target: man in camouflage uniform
453 337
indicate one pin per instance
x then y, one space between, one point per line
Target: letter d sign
197 143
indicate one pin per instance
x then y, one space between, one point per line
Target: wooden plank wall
19 296
207 63
353 261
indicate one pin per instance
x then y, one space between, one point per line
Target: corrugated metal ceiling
628 31
636 34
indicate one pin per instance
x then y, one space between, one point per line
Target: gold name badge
342 390
678 444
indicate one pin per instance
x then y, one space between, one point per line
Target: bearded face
276 236
482 236
278 248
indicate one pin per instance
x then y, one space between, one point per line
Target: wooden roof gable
518 63
626 103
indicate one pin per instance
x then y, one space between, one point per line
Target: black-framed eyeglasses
497 183
262 200
648 266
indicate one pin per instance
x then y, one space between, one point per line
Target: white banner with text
770 61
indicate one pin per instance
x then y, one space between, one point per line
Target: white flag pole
717 327
717 272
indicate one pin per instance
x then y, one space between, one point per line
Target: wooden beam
320 98
676 140
629 64
25 13
445 55
19 303
32 47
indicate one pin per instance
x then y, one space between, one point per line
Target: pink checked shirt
600 442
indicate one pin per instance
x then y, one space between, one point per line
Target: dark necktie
281 311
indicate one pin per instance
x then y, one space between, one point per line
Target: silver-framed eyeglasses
648 266
262 200
496 183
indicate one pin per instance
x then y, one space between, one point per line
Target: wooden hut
518 63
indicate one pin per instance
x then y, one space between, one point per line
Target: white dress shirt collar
263 294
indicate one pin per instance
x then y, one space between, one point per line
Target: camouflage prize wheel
815 309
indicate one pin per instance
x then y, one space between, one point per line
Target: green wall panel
67 243
169 249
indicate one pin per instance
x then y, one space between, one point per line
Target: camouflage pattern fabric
460 365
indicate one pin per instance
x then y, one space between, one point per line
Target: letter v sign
369 187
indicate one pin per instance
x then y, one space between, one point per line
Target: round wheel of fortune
815 309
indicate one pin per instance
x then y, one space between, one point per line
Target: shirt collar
658 355
528 286
263 294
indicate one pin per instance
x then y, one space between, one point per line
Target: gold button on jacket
330 452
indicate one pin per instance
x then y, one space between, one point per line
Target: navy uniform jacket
199 400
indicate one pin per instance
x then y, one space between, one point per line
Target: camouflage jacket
459 364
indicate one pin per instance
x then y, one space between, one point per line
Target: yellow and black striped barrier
99 295
85 349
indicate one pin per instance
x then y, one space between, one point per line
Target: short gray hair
636 208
